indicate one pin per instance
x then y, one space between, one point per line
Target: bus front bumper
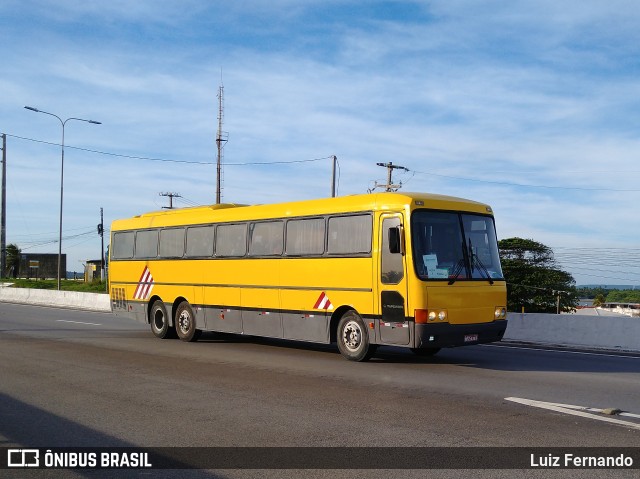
444 335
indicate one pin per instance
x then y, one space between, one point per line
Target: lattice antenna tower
221 138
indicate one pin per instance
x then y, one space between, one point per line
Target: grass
65 285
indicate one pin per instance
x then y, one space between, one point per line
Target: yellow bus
413 270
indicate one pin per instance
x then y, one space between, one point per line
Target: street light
63 123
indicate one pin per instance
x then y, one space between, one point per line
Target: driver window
392 270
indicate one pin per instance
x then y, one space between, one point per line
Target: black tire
185 322
425 352
353 338
159 321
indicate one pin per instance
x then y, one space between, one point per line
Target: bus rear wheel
159 320
186 323
353 338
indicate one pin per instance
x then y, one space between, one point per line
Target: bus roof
342 204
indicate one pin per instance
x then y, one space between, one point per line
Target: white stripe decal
145 285
137 292
323 302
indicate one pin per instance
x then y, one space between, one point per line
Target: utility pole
333 177
221 137
3 210
101 233
171 197
390 186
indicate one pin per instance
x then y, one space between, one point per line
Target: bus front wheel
186 323
353 338
159 320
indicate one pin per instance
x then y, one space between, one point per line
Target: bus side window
172 243
123 245
349 234
146 244
200 241
231 240
305 237
266 238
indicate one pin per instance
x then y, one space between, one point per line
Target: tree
13 261
534 280
624 296
599 300
592 292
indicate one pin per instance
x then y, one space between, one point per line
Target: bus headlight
426 316
500 312
434 315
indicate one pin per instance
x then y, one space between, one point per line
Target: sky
530 106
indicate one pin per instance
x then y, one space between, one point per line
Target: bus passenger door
394 325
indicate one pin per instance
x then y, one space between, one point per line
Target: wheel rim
352 336
158 320
184 322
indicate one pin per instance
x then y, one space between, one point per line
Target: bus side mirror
395 240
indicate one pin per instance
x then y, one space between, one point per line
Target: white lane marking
574 411
585 353
595 410
628 414
77 322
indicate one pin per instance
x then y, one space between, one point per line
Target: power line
620 264
253 163
523 185
549 290
111 154
30 235
279 162
187 201
36 244
631 281
166 160
579 268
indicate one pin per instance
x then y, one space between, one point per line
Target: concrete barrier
61 299
593 332
569 330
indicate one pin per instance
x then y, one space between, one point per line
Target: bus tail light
421 315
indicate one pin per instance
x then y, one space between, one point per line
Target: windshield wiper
460 265
456 271
475 261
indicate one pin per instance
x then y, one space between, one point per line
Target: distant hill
607 286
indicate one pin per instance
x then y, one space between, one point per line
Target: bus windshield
454 246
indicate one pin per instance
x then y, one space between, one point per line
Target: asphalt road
78 379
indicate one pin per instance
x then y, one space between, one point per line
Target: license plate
470 338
